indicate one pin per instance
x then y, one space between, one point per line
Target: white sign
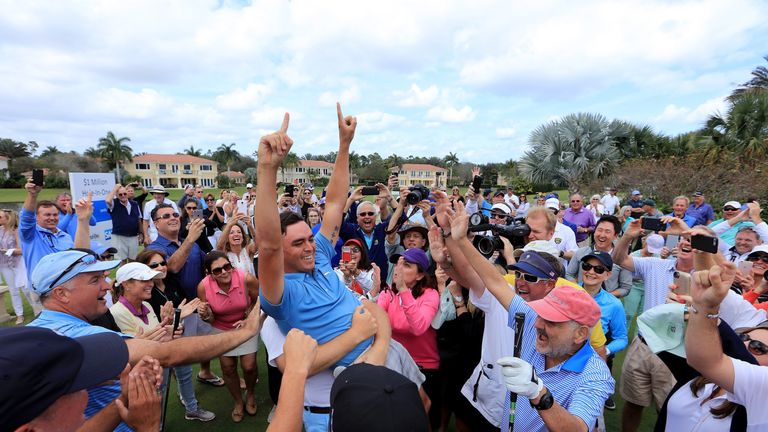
99 185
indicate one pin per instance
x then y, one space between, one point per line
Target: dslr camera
416 194
516 230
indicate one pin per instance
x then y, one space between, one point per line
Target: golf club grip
519 323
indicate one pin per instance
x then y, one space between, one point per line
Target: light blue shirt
71 326
613 319
730 235
317 303
580 384
37 242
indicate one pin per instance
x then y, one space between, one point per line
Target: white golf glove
519 377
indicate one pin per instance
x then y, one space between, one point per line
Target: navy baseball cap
413 256
376 399
39 366
533 263
603 257
57 268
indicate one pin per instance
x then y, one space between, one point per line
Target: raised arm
30 202
84 210
339 183
179 258
109 200
272 150
392 232
621 251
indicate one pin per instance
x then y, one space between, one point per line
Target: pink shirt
228 307
411 321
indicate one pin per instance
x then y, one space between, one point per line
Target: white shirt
686 412
512 201
564 238
610 202
147 215
317 389
498 342
750 389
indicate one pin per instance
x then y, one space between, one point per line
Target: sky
423 78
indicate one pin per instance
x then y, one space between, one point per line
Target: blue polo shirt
634 203
580 384
613 319
68 223
688 219
193 270
37 242
702 213
317 303
374 242
73 327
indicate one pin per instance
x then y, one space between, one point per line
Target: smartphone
346 254
652 223
477 183
242 206
745 267
197 214
704 243
37 177
176 319
370 190
683 282
672 241
289 189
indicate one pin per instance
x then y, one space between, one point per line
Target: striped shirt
657 274
580 384
71 326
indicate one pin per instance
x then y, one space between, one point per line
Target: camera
416 194
515 231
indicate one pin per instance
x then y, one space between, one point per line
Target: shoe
271 414
237 417
213 381
610 404
251 409
200 414
20 320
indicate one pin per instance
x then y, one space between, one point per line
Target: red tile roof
427 167
171 158
315 164
233 174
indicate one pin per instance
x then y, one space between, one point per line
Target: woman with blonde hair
236 243
12 265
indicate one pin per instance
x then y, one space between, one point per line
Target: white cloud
249 97
696 115
345 97
147 103
449 114
270 118
377 121
416 97
505 132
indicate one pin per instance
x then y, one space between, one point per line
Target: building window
187 169
142 166
206 182
147 182
206 168
421 173
174 169
413 174
325 171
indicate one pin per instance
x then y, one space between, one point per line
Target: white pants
16 279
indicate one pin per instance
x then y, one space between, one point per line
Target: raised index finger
284 126
338 112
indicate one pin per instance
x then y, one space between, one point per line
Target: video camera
417 193
515 231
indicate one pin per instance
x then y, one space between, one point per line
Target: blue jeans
184 385
316 422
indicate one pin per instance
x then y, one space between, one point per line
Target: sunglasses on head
597 268
168 216
368 214
755 346
86 260
219 270
528 277
755 258
157 264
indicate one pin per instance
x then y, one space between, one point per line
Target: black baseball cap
38 366
604 258
373 398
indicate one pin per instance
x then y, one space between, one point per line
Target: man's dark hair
153 215
612 220
289 218
46 203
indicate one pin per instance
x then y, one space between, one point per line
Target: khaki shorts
127 247
644 377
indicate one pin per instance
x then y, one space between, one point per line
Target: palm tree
758 83
743 130
451 160
14 150
92 152
113 151
192 151
225 154
291 160
573 150
50 151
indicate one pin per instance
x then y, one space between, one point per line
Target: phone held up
652 224
683 282
346 254
704 243
370 190
197 214
37 177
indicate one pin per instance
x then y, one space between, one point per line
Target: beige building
428 175
308 171
236 178
173 171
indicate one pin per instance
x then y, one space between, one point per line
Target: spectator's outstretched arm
84 210
30 202
621 251
708 289
336 195
272 150
109 200
300 351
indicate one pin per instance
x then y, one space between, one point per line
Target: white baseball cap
135 270
734 204
503 207
655 243
541 246
552 203
249 186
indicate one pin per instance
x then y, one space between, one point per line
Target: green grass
217 399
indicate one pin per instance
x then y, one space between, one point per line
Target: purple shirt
703 213
583 219
143 315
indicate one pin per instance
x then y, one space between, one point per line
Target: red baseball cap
567 304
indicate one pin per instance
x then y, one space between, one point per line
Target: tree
192 151
225 155
573 150
50 151
250 174
743 130
758 83
113 151
14 150
451 161
291 160
92 152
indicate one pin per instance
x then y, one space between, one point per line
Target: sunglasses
763 258
597 268
122 194
729 209
86 260
210 199
575 200
354 249
191 208
528 277
168 216
219 270
366 214
157 264
755 346
498 216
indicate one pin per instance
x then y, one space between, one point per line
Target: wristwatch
545 402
